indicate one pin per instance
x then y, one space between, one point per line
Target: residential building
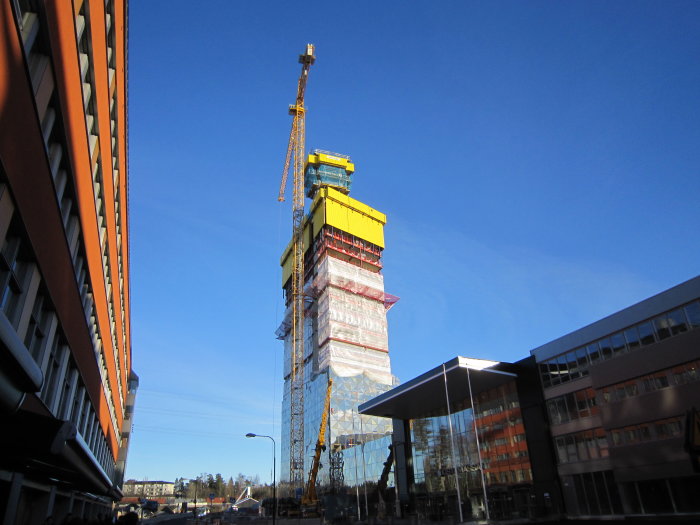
66 381
148 489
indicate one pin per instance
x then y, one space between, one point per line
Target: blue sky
538 163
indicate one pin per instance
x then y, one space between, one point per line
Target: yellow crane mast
310 498
295 151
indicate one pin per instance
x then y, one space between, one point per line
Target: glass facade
489 447
356 445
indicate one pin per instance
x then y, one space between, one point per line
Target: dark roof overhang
49 450
425 395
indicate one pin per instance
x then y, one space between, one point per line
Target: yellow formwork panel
331 160
352 216
340 211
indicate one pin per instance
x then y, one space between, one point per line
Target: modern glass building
462 447
601 423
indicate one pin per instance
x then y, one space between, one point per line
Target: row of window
596 494
491 444
114 128
84 39
651 431
64 392
17 264
508 476
582 446
677 375
574 364
494 460
28 308
572 406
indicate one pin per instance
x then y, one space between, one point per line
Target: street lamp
274 468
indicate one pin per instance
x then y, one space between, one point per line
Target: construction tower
345 326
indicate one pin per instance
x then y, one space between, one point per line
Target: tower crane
295 156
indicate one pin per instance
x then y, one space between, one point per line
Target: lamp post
274 468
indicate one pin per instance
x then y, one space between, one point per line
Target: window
593 352
618 344
582 361
563 369
668 428
693 313
582 446
52 372
646 333
677 322
35 331
10 276
655 382
606 348
632 338
662 327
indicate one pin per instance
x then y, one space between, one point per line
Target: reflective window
574 363
693 313
662 327
632 338
618 343
582 446
572 406
582 360
593 352
554 372
563 369
646 333
544 373
677 322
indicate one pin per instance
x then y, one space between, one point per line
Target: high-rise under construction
345 327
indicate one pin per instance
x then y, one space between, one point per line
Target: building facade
148 489
345 332
598 424
470 443
66 381
619 393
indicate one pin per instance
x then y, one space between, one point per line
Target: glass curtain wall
504 460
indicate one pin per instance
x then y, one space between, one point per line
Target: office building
66 381
618 394
470 442
345 330
597 424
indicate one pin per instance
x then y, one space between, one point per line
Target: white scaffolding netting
350 360
346 327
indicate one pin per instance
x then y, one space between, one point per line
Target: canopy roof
425 394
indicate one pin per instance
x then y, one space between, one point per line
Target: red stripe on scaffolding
339 340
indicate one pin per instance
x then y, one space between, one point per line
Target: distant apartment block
148 489
67 386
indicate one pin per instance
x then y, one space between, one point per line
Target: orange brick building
66 381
